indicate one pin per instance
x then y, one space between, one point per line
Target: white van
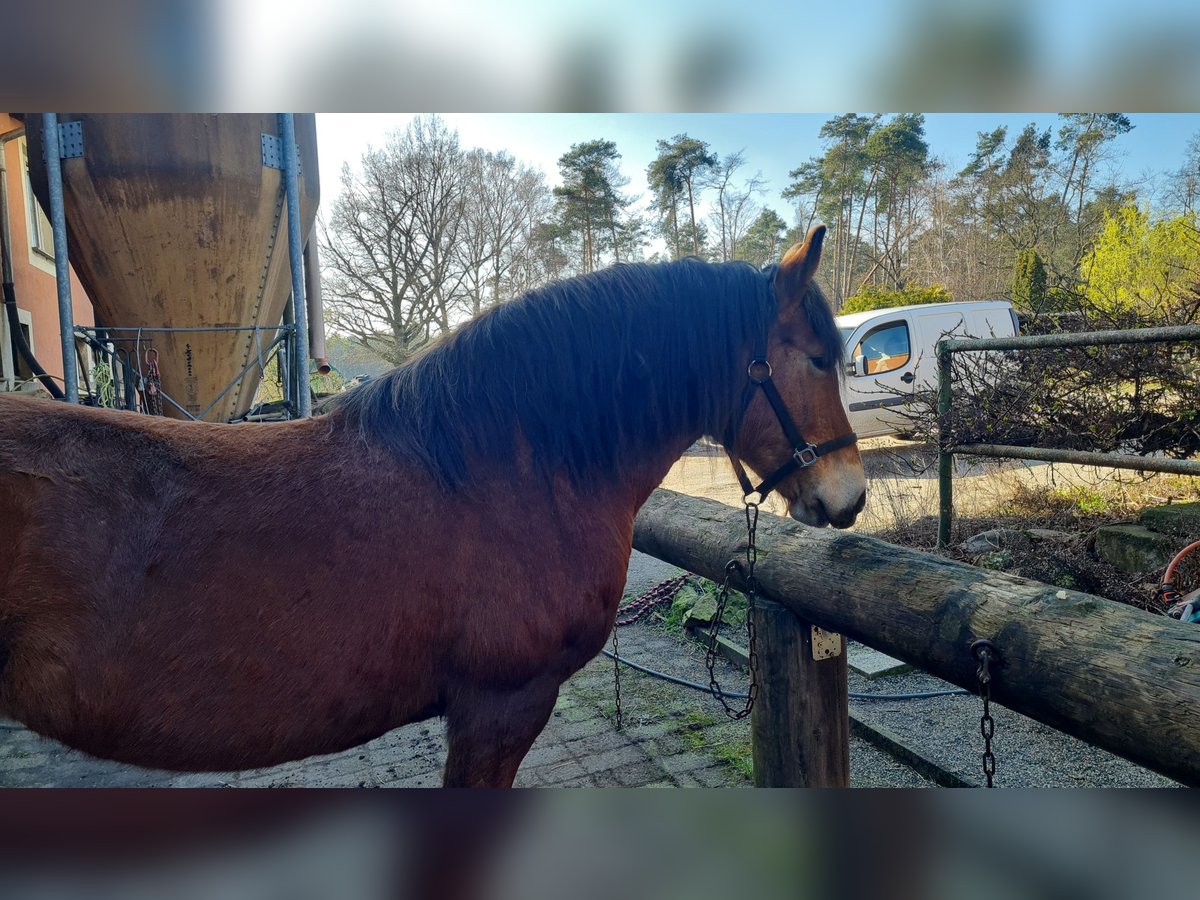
892 352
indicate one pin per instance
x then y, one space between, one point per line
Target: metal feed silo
180 222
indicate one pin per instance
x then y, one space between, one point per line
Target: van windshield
846 332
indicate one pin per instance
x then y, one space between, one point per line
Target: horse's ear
799 265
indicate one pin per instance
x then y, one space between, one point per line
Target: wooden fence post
800 726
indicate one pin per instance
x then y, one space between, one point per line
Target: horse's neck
647 474
645 467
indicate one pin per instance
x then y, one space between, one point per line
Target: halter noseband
804 453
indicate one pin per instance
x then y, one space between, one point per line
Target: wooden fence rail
1112 675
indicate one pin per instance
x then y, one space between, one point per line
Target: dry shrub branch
1129 398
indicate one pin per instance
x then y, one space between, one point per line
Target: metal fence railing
946 451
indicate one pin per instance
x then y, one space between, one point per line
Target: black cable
671 678
18 341
854 695
915 695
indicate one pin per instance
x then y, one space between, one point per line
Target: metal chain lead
985 652
751 636
656 596
659 595
617 678
153 382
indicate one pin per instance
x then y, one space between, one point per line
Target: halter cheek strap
804 453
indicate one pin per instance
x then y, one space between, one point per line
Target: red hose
1167 592
1178 558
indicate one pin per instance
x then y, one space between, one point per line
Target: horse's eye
821 363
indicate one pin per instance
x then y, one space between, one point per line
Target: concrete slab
1180 520
872 664
1135 549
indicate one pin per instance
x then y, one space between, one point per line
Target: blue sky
774 143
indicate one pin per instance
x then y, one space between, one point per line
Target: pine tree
1029 282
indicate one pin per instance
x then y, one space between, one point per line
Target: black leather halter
804 453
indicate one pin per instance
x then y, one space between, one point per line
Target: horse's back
88 485
70 476
80 490
53 440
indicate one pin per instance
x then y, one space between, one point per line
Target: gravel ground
945 730
647 701
942 730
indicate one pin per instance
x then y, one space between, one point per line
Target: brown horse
452 540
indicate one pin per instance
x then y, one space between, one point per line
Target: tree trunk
675 220
587 235
692 212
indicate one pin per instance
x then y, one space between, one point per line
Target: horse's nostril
862 501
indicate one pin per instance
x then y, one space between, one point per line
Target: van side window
886 348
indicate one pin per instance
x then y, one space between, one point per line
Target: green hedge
872 297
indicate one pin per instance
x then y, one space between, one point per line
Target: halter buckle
805 456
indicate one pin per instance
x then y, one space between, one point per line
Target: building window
41 235
13 368
20 364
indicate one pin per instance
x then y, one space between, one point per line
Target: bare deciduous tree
393 273
426 233
735 208
505 202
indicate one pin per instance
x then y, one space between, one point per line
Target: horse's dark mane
638 352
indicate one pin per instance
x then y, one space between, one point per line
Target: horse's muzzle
816 514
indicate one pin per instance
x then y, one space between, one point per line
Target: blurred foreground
952 844
362 55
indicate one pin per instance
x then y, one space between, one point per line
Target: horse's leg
490 729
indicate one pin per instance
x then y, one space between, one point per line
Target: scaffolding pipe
316 308
62 271
1164 334
6 269
192 329
287 384
945 460
291 176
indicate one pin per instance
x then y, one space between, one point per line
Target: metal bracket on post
70 139
825 644
272 153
